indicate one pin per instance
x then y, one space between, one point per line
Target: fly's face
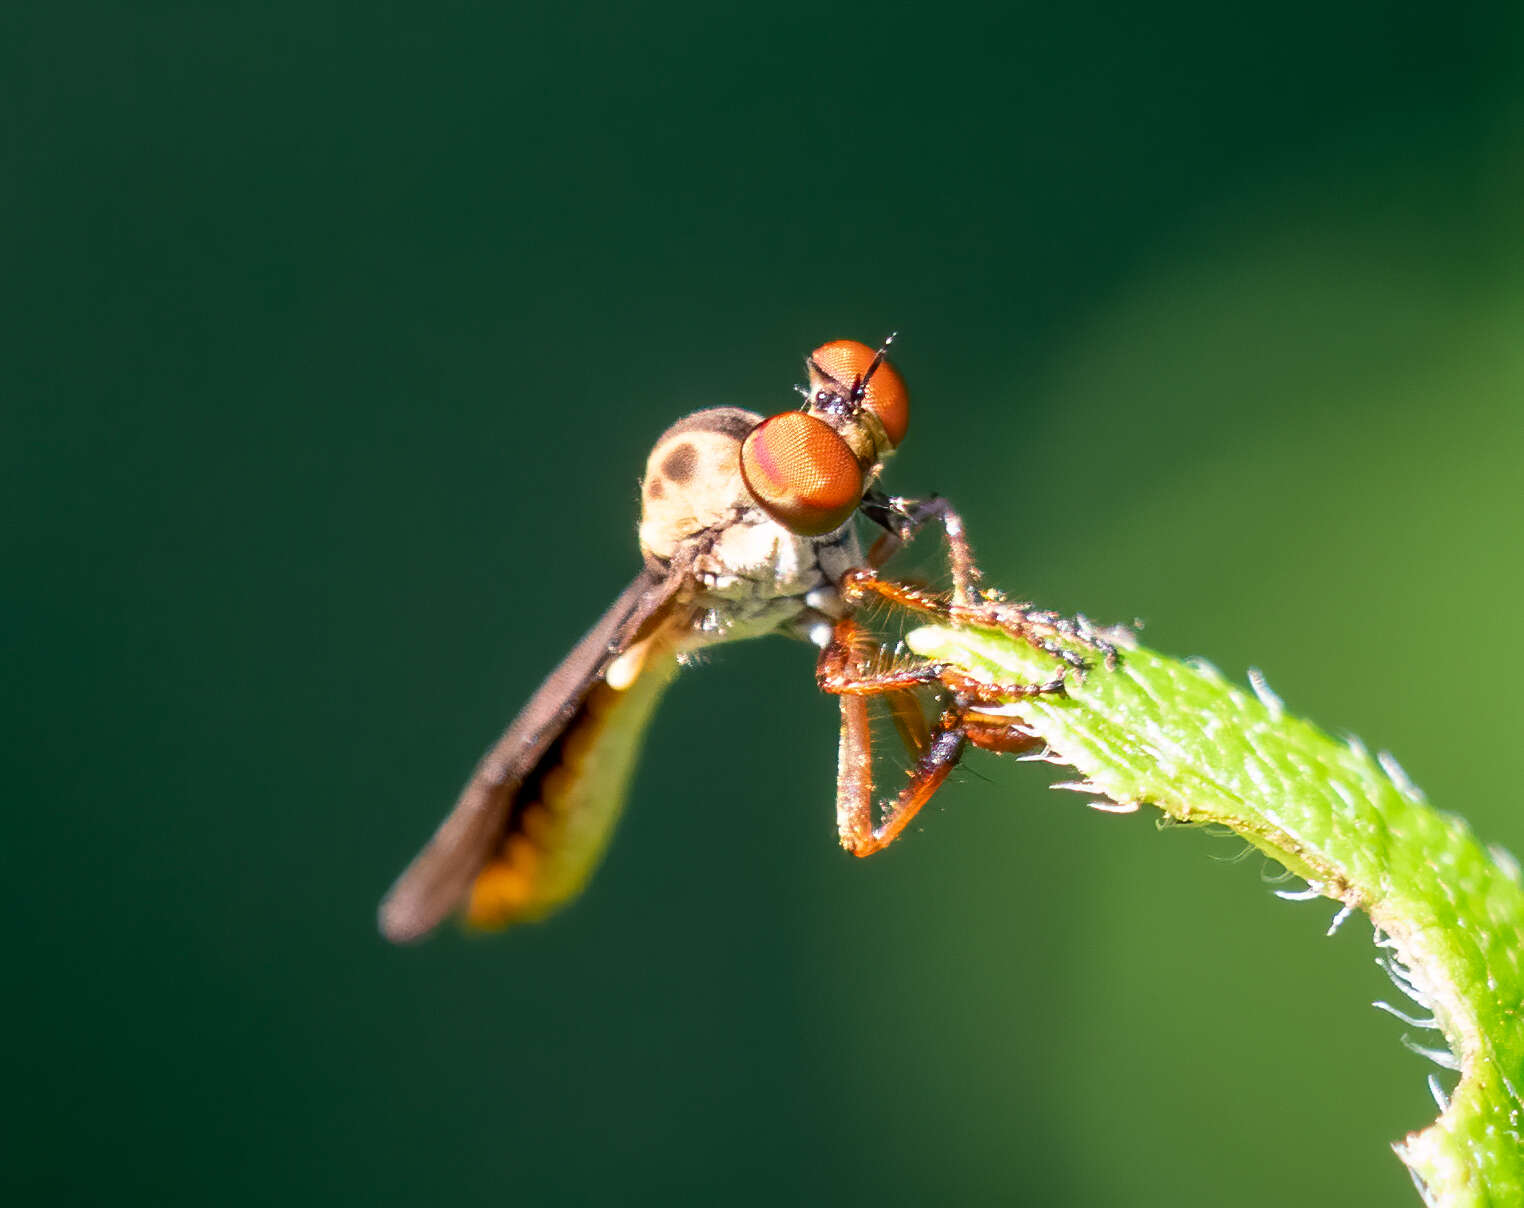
861 395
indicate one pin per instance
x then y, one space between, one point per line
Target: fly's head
808 469
759 510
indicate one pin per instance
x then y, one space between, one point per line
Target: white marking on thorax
758 577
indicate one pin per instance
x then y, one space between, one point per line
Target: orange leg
843 672
901 519
1038 628
857 585
854 784
840 671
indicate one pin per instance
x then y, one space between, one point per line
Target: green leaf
1448 913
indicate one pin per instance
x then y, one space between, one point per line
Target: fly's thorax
758 578
693 483
755 555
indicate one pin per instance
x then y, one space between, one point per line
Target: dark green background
336 336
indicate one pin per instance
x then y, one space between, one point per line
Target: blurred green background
336 339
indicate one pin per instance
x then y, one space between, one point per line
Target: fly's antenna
859 391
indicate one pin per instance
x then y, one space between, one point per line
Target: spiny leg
928 775
955 728
857 585
854 785
842 672
841 669
1037 627
901 519
854 775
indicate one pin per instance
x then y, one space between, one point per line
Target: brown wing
490 809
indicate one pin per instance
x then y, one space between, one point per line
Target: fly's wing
538 811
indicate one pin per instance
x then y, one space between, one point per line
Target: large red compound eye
801 473
844 363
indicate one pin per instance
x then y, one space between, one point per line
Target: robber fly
747 528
